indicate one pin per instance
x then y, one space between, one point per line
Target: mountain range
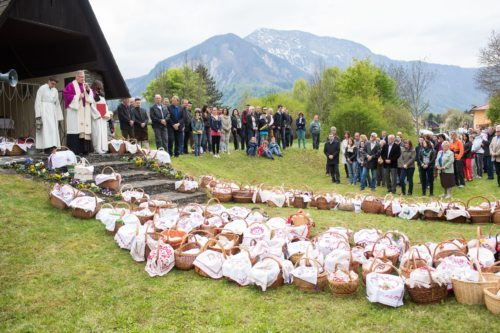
270 60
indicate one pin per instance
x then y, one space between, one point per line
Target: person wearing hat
48 114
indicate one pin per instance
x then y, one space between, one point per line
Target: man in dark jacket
125 118
175 127
390 155
159 117
252 123
373 153
332 150
278 126
188 132
141 120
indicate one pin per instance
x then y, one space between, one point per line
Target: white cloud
141 33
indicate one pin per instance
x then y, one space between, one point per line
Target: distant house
42 38
480 118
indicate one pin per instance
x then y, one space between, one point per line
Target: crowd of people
257 130
391 160
385 160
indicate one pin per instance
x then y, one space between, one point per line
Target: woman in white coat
100 117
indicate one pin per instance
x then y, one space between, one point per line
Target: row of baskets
16 147
478 209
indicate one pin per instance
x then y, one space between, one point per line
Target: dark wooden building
39 38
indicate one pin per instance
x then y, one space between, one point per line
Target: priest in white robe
100 117
48 114
78 99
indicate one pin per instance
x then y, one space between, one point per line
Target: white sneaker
460 186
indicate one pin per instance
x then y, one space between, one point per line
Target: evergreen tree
213 94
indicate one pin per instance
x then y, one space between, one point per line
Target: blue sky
141 33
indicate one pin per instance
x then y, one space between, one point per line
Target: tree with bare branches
488 77
412 84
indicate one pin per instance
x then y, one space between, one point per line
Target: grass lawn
60 274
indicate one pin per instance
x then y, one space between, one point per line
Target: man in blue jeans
373 151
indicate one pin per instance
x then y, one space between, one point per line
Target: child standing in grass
252 147
198 127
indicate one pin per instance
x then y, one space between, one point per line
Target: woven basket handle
107 167
479 197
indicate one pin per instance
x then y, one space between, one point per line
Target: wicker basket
341 288
348 204
244 195
182 187
438 256
167 203
454 205
471 293
372 205
223 196
431 215
58 203
388 211
184 261
206 181
434 294
482 215
204 248
122 150
379 265
173 237
413 262
393 258
307 286
230 237
114 206
322 203
299 202
16 150
492 300
112 184
144 218
279 279
83 214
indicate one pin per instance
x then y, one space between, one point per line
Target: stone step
153 186
133 175
183 198
118 166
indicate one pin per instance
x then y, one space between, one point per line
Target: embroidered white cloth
190 222
385 289
102 177
126 235
87 203
65 192
366 236
116 144
457 267
265 272
273 247
61 159
131 148
84 171
160 263
138 248
236 227
256 231
188 184
298 247
484 256
420 277
454 213
237 267
339 257
129 194
160 156
306 273
211 263
341 276
238 212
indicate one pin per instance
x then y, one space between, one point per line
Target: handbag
83 170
